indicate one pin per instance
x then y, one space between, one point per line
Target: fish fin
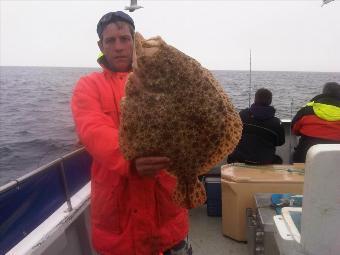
196 194
179 195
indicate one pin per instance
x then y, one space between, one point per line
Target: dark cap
112 17
332 89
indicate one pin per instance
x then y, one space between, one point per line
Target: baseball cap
113 17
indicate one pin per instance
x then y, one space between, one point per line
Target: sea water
36 124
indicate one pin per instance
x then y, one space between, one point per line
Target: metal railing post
66 190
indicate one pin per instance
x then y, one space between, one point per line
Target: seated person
318 122
262 132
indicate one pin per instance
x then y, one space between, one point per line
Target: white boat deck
206 236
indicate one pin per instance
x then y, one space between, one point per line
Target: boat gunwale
14 183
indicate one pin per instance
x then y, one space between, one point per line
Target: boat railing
29 200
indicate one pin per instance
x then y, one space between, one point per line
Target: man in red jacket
318 122
131 207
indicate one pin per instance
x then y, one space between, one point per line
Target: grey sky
283 35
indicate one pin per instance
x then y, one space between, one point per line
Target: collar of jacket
262 112
103 63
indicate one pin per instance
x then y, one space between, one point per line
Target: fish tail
196 194
189 195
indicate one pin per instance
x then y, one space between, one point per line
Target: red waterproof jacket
319 118
129 214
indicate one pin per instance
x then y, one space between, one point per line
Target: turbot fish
174 107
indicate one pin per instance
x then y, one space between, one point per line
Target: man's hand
149 166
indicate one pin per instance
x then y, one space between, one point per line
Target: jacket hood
326 107
101 60
262 112
325 111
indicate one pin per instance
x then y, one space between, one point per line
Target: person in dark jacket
262 132
318 122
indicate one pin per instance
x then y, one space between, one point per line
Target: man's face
117 46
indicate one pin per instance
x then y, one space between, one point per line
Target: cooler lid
238 172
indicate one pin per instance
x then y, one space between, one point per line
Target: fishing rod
290 130
249 78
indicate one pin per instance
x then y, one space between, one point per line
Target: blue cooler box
214 200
